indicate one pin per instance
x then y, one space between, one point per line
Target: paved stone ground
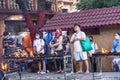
54 76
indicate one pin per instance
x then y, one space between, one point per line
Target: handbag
86 44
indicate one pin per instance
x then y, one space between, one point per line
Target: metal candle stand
68 63
100 55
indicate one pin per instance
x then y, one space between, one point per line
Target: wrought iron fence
11 4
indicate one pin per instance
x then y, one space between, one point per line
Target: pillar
2 29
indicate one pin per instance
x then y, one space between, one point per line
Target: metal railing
66 0
11 4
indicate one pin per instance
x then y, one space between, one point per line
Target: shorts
80 56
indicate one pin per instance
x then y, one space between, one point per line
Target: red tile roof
86 18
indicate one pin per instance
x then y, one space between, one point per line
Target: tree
93 4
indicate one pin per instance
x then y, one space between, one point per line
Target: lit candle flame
4 67
31 54
17 55
104 50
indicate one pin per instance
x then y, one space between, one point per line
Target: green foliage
93 4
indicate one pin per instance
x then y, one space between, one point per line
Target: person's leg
85 60
80 63
47 68
58 65
90 59
95 64
92 64
44 65
62 65
78 60
39 66
87 65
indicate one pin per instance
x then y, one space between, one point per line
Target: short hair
60 30
40 34
91 37
77 25
118 33
6 33
37 33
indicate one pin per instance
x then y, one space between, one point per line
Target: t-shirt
8 50
77 45
38 43
116 45
94 48
9 41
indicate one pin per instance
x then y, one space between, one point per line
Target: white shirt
38 43
94 48
77 45
68 46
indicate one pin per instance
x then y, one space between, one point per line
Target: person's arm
35 50
50 45
72 40
4 43
60 40
34 47
95 47
42 47
12 43
114 45
83 36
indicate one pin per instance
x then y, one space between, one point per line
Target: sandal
39 72
58 71
62 71
79 72
87 72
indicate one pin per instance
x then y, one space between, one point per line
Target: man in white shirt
79 54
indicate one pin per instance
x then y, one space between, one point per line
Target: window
64 10
92 31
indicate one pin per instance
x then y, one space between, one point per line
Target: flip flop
87 72
79 72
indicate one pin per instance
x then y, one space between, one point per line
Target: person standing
8 44
66 45
58 47
9 47
94 49
116 43
38 45
79 54
115 49
47 36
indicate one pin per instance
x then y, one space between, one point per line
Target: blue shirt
116 45
8 50
9 41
